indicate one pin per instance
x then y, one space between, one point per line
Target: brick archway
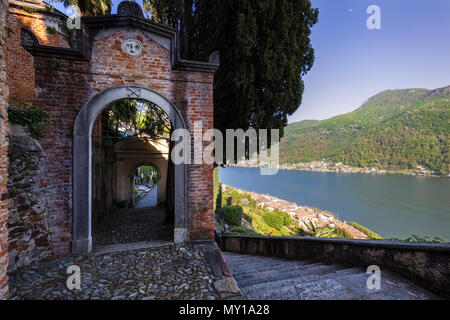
82 163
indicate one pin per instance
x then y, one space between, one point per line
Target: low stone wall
428 265
28 210
4 95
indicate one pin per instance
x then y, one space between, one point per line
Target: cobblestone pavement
176 272
133 225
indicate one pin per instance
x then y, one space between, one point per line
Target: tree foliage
130 117
89 7
264 47
264 50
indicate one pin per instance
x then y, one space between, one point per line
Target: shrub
274 232
372 235
232 215
342 233
33 119
273 219
259 225
285 232
328 232
217 190
417 239
287 220
242 231
51 30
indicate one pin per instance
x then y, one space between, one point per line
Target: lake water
391 205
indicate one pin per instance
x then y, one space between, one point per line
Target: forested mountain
395 129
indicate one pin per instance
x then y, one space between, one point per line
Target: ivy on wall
32 118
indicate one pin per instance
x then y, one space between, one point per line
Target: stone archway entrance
82 164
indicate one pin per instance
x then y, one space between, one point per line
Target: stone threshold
130 246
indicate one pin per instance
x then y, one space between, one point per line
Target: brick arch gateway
82 163
72 78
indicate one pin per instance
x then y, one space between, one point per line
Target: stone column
4 92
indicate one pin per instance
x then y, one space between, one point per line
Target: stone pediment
97 27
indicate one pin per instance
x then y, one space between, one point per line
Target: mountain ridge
394 129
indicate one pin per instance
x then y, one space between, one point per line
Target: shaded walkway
133 225
150 198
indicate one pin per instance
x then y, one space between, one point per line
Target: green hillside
395 130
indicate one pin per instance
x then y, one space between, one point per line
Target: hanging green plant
51 30
34 119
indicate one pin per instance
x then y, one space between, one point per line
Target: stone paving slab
175 272
133 225
149 198
130 246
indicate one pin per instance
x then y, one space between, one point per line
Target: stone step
273 275
263 278
303 280
393 287
259 267
247 259
326 288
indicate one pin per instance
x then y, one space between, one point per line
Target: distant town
324 166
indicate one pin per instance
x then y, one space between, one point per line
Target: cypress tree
265 51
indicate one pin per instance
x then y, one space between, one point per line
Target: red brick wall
64 90
191 93
3 155
61 92
19 61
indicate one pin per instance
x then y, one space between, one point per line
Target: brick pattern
62 93
20 63
4 92
65 90
191 93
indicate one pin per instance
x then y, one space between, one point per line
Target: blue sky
60 7
353 63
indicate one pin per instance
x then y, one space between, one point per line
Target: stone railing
427 265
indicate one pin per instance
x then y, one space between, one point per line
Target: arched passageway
97 160
147 186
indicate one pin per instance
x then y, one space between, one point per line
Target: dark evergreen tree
89 7
264 47
265 50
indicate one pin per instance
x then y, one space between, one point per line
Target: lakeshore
393 206
307 218
324 166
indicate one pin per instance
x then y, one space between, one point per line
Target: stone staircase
267 278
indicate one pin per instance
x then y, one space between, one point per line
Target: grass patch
232 215
235 230
328 232
372 235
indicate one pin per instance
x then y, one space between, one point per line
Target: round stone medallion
132 47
